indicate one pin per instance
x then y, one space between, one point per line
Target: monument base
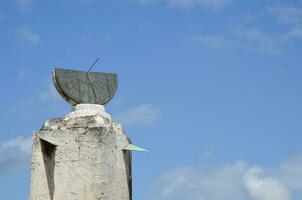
81 157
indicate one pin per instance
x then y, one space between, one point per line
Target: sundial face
78 87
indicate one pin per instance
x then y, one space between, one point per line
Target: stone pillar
81 157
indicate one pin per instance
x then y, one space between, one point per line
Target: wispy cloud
256 39
294 33
50 94
24 73
287 14
25 34
31 105
24 4
143 114
207 4
213 41
147 2
292 17
189 4
2 17
243 38
14 153
233 182
246 35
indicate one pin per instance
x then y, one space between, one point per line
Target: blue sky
211 87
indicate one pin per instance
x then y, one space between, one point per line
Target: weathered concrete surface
81 157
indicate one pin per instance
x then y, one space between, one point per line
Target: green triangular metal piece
131 147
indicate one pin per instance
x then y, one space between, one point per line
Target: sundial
85 87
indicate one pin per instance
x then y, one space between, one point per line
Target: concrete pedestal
81 157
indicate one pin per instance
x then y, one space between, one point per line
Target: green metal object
78 87
131 147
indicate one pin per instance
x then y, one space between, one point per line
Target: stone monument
85 155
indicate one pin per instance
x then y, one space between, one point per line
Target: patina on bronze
78 87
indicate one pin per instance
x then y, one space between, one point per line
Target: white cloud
19 143
14 153
189 4
232 182
25 34
143 114
262 187
24 4
207 182
290 172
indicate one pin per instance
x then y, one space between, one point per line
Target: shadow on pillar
128 162
48 151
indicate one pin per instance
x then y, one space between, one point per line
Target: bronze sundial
78 87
